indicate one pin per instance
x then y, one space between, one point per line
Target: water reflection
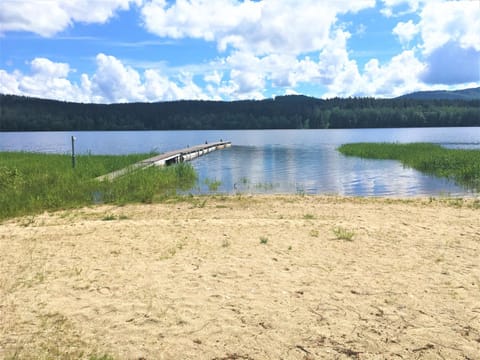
280 169
274 161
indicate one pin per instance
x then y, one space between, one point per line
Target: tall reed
31 183
460 165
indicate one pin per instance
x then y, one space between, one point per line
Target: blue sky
109 51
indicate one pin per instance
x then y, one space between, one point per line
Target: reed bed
31 183
459 165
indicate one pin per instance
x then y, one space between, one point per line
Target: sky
112 51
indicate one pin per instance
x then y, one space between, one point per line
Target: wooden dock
168 158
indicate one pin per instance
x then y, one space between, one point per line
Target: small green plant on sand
342 233
213 185
314 233
308 216
263 240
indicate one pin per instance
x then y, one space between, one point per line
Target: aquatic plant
459 165
213 185
31 183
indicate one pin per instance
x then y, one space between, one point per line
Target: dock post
73 151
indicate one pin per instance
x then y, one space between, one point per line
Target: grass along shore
462 166
31 183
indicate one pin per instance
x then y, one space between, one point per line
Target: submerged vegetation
31 183
462 166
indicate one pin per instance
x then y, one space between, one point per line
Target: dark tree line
285 112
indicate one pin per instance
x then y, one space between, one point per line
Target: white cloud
48 17
334 58
400 7
269 46
9 83
391 79
450 44
258 27
47 80
450 21
343 78
406 31
116 82
214 77
43 67
251 75
441 21
112 82
158 87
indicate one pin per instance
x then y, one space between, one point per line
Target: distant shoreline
286 129
282 112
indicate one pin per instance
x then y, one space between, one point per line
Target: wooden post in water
73 151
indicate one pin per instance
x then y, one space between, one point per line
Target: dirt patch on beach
263 277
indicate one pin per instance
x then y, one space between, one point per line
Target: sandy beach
244 277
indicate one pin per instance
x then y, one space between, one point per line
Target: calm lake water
274 161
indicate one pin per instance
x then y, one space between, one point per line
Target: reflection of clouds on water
278 169
274 161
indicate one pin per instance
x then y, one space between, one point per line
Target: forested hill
284 112
465 94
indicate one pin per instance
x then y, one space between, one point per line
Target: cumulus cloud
399 7
49 17
258 27
391 79
266 42
43 67
215 77
48 79
450 21
112 82
333 69
265 46
9 83
116 82
405 31
452 64
376 79
450 45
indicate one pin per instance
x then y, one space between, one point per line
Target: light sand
193 280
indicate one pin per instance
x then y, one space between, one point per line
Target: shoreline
244 277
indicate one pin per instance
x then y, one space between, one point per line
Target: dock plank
168 158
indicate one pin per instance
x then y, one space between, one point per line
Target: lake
274 161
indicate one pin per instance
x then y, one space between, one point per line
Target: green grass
213 185
31 183
342 233
461 166
109 217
